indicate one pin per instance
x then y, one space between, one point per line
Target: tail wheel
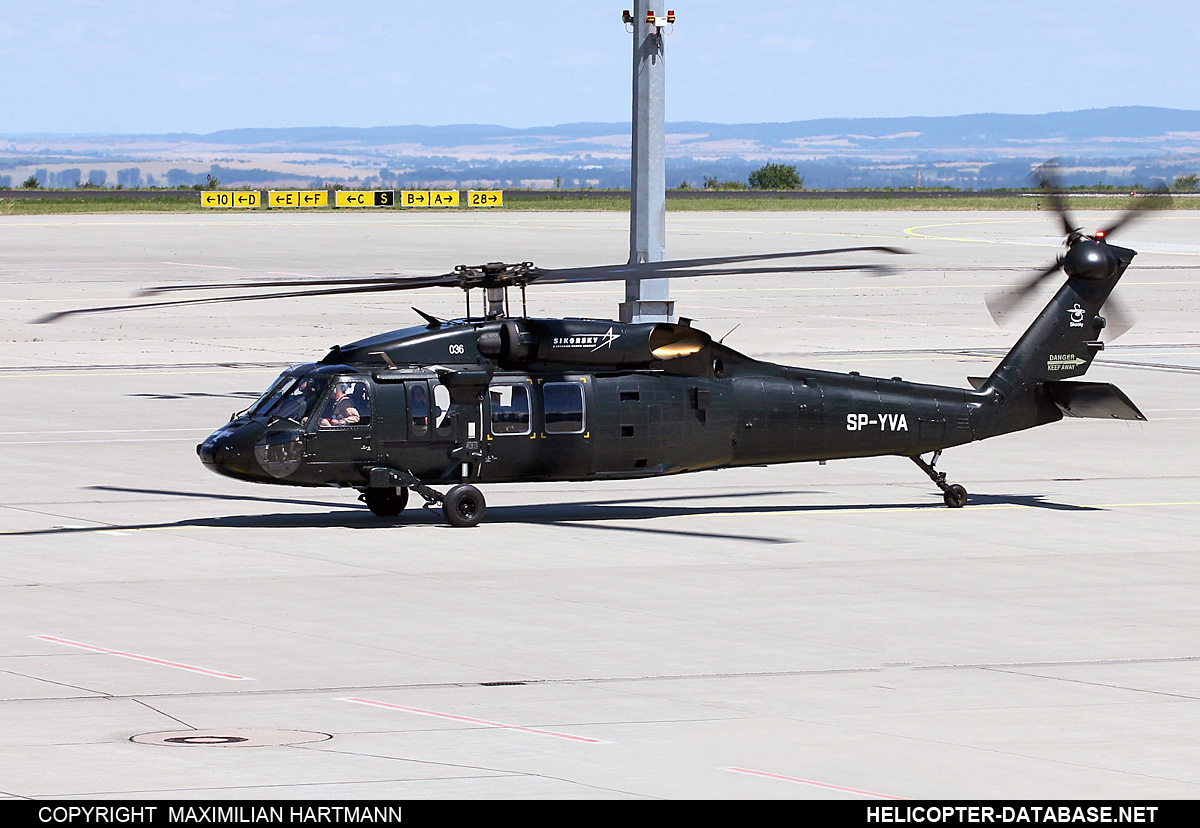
464 506
387 502
955 496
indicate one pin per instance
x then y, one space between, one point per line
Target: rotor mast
648 300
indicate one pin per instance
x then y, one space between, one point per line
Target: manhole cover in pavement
229 737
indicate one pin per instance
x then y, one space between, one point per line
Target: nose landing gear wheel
386 502
463 506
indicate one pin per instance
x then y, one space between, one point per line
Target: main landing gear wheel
386 502
463 506
955 496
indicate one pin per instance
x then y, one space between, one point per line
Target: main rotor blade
415 283
215 300
647 270
1001 305
271 283
476 277
553 277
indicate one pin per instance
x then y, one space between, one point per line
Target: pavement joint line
1095 662
1110 686
815 672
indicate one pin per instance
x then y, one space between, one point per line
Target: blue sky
97 66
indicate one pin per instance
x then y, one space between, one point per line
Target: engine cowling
591 342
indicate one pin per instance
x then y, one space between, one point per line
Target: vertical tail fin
1065 337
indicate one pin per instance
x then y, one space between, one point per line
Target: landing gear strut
954 495
386 501
463 505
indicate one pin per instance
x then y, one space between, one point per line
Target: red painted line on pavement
469 720
205 266
811 783
148 659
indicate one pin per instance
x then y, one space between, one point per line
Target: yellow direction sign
485 198
443 198
229 198
298 198
216 198
365 198
414 198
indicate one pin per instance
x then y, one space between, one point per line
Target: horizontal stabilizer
1101 400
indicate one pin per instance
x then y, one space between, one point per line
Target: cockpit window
348 405
297 401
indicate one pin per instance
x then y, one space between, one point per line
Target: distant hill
1114 146
1144 129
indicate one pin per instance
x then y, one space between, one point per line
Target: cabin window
564 407
348 405
508 407
443 426
418 409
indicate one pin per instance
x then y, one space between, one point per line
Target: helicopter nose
230 451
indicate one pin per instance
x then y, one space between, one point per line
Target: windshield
271 396
295 401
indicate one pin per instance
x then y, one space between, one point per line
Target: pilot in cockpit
342 409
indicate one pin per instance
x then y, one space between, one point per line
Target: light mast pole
649 300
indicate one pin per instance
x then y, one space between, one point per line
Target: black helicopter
498 398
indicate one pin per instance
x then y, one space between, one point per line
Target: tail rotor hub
1089 260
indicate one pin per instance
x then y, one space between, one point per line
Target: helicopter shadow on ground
583 514
579 514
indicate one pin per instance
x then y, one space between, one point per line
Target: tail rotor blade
1050 181
1158 200
1048 178
1002 305
1118 317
